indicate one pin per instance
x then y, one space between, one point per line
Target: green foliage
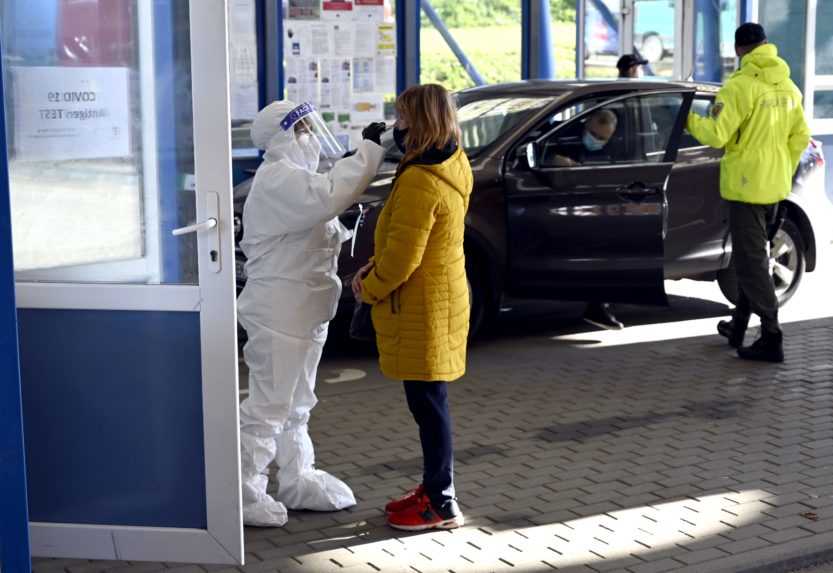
472 13
480 13
563 10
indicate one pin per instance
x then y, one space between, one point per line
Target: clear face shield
305 119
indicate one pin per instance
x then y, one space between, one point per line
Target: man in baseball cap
629 64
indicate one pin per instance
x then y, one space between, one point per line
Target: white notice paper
343 39
335 83
366 40
386 75
364 75
243 59
70 113
367 108
296 40
386 40
369 10
321 40
337 10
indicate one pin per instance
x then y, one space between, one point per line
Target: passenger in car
598 132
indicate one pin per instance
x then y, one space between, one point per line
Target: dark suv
609 227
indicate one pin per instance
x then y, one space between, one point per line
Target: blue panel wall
112 404
14 521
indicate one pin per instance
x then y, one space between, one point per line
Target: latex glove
374 131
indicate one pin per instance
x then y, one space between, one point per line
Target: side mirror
531 154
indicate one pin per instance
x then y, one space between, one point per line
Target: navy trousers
428 402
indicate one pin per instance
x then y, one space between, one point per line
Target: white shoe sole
452 523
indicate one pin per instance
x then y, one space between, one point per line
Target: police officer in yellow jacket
758 118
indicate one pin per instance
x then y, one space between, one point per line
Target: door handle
636 191
206 225
208 239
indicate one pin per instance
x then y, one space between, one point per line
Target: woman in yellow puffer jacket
417 285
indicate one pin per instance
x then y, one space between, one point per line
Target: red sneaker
410 498
421 516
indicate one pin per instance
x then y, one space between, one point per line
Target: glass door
120 187
651 30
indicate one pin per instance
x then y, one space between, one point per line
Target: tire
652 48
788 260
482 307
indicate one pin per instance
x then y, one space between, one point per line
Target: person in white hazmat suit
292 239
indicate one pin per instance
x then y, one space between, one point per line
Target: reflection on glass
653 34
784 21
714 39
601 38
823 105
99 140
482 122
824 38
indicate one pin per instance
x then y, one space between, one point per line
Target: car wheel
479 299
787 261
652 48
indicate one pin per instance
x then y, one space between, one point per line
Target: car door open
587 209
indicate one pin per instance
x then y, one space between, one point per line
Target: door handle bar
206 225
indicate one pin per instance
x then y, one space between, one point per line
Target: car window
592 139
700 106
656 116
483 121
636 129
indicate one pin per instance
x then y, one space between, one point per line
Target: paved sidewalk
671 455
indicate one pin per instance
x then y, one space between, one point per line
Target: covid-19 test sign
63 113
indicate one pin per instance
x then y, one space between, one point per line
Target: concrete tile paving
669 455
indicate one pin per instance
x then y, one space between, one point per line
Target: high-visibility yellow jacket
418 285
758 117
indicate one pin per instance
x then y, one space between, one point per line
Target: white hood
268 135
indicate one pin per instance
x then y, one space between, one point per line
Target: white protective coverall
292 239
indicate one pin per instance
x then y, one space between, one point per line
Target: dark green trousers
756 292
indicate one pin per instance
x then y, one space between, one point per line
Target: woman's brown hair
432 119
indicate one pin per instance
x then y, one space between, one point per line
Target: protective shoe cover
259 508
300 485
292 240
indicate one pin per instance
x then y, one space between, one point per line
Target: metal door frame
222 540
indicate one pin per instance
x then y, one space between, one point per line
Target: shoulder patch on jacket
715 109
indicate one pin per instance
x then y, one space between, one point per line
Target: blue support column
260 39
707 65
745 11
14 515
407 44
272 45
537 50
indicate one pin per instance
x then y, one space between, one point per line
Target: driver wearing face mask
598 132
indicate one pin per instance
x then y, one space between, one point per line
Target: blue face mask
591 143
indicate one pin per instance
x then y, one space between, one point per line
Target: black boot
768 348
734 330
601 315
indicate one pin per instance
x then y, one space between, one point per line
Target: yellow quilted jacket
418 285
